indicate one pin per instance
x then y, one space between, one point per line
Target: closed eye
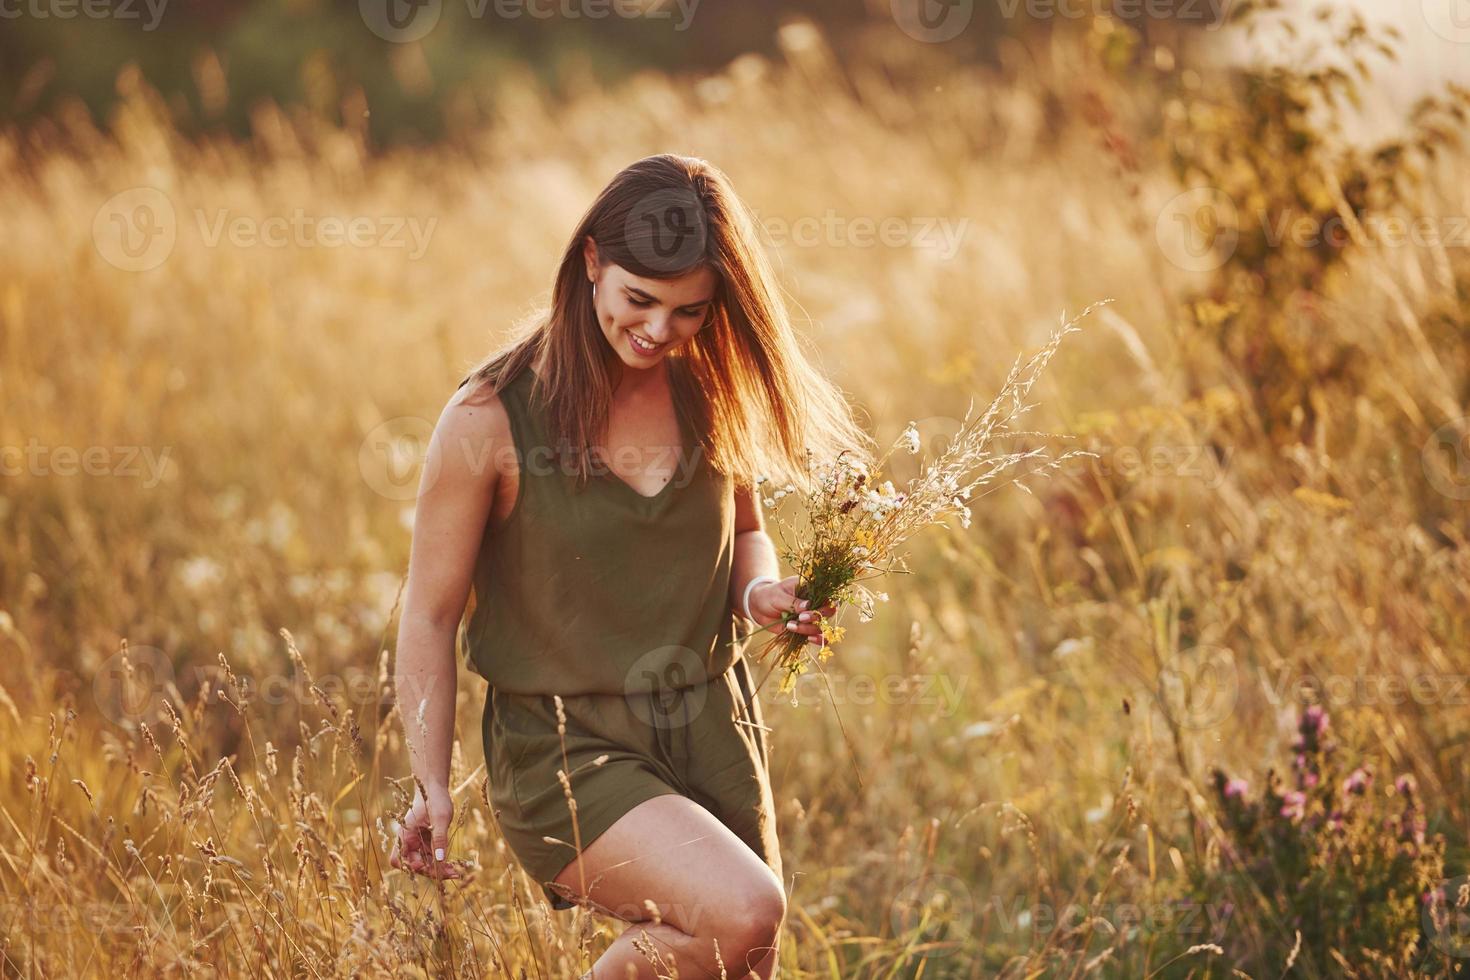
643 304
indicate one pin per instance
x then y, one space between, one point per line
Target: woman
615 580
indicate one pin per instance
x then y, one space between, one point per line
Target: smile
642 346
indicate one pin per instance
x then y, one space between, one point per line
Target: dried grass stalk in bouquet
852 523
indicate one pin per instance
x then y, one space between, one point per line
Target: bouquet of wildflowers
855 521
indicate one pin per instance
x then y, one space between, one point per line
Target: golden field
209 446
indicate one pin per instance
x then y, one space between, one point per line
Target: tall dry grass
244 526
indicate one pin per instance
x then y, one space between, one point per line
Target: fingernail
439 853
804 617
806 603
791 626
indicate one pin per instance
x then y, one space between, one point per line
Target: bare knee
751 922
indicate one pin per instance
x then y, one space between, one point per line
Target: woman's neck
633 383
626 382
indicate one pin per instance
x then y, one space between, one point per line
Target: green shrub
1335 863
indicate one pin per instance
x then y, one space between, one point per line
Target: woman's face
635 313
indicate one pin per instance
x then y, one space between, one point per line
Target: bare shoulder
477 400
473 434
459 491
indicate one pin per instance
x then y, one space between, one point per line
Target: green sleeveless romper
619 603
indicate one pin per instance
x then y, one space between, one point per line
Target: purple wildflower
1295 806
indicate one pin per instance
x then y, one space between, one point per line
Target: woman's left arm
755 555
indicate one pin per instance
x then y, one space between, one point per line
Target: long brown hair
743 380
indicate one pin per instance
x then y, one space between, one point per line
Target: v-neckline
664 491
606 472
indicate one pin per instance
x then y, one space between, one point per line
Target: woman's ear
589 255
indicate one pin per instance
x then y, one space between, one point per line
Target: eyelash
645 303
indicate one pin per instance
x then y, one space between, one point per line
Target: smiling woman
628 758
665 271
650 316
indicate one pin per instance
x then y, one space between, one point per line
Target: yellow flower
831 633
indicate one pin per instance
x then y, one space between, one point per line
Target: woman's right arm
456 494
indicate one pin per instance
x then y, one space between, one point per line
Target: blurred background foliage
212 60
1280 486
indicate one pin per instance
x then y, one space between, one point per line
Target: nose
658 328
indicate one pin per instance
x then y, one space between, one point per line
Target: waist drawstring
667 734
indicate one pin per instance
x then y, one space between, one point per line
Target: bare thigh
675 853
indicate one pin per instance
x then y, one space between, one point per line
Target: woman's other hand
770 599
423 836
